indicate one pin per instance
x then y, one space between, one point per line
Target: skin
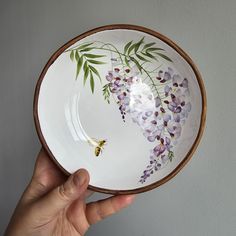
54 204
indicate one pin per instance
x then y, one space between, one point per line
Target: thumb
63 195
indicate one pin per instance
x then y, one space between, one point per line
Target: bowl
124 102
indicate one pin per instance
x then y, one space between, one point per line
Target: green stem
154 70
116 50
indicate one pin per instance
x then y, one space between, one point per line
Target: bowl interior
129 115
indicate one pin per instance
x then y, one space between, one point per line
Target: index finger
96 211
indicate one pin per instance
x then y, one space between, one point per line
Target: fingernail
79 178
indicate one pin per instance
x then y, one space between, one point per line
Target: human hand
54 204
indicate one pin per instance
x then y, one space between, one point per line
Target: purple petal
177 100
171 107
113 90
159 150
165 159
122 107
144 117
166 117
182 115
167 89
178 92
170 130
109 78
185 83
173 104
156 132
176 79
167 141
120 97
178 130
157 101
170 70
176 117
160 73
126 100
162 149
117 82
178 110
151 138
154 122
167 76
148 113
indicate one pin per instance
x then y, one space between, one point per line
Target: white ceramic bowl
125 103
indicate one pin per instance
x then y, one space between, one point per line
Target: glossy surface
124 105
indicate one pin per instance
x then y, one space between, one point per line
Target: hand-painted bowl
125 103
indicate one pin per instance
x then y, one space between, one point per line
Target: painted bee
99 147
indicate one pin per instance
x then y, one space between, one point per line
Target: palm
68 222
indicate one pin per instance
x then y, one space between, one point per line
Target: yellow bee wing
102 143
95 140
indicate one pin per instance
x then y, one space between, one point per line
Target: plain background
201 200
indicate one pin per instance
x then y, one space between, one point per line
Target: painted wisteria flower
173 112
160 119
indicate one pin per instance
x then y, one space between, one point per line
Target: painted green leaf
127 62
147 54
87 49
72 55
164 56
170 155
136 48
96 62
93 56
106 92
79 65
131 48
91 82
84 46
137 64
86 71
142 58
148 45
127 46
76 56
95 71
155 49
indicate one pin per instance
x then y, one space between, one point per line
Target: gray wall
201 199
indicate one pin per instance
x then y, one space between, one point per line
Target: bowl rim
168 42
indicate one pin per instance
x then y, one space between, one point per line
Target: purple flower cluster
160 116
120 85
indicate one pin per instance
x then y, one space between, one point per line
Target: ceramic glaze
122 103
